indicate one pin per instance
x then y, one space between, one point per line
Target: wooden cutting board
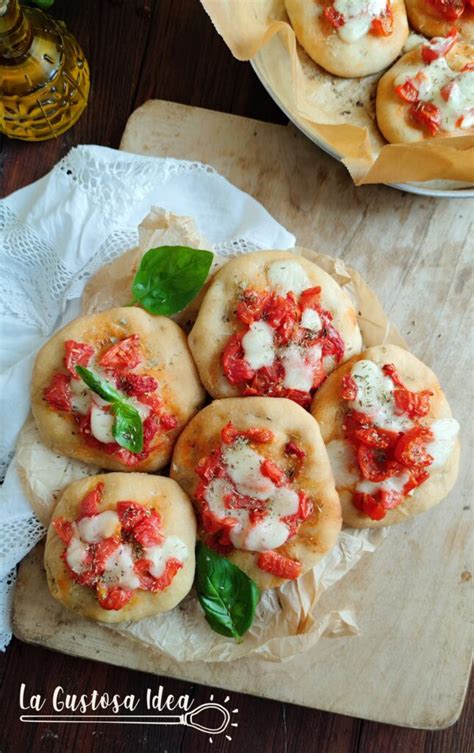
410 664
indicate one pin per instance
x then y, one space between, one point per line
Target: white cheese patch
284 502
375 397
243 466
270 533
358 17
258 345
391 484
343 460
310 319
299 364
119 568
445 431
101 424
159 555
98 527
354 28
76 554
288 276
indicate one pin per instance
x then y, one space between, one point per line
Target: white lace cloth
54 235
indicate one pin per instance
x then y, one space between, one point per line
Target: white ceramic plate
439 189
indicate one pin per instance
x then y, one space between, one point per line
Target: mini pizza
390 436
120 546
272 324
258 474
428 92
436 18
115 389
350 38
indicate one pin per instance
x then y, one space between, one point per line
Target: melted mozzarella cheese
101 424
243 466
288 276
445 431
299 364
258 345
310 319
98 527
284 502
159 555
358 17
76 554
391 484
375 397
119 568
343 461
270 533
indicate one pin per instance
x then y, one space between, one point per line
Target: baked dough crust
162 342
154 492
216 320
328 410
392 112
423 18
289 422
323 44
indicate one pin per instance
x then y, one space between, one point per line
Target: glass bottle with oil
44 76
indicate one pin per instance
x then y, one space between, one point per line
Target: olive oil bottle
44 76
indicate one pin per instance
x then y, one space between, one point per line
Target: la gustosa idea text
61 700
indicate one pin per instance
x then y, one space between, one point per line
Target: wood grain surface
169 49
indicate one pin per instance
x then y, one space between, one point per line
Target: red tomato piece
102 551
113 598
411 447
427 115
450 10
390 498
210 467
302 398
168 422
407 91
63 529
310 299
235 501
149 531
234 364
291 448
252 305
391 370
58 393
77 354
417 477
374 463
276 564
413 403
273 472
383 25
90 503
136 385
306 506
172 567
259 435
229 433
130 513
349 387
335 18
123 355
367 504
333 344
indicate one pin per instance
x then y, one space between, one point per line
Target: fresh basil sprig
227 595
127 428
169 277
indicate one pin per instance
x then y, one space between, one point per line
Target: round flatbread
374 421
427 19
404 121
121 547
258 474
143 358
272 324
342 36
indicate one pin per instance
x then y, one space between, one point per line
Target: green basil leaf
100 386
169 277
226 594
128 427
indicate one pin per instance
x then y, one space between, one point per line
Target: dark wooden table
168 49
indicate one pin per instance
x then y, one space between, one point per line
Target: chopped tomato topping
390 498
58 393
335 18
148 531
427 115
77 354
359 428
235 366
375 464
291 448
113 598
63 529
411 447
407 91
414 404
136 385
439 46
229 433
310 298
103 550
168 422
349 387
279 565
235 501
450 10
130 513
273 472
252 306
367 504
172 567
123 355
417 477
383 25
90 504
